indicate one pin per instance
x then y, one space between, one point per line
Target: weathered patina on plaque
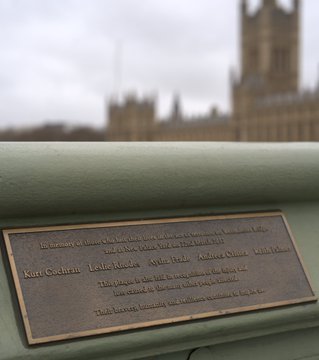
81 280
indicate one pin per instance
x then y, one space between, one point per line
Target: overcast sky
62 59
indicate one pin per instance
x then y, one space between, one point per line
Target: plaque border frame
141 325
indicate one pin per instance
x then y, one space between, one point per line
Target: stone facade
266 102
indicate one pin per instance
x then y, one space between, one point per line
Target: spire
243 6
176 114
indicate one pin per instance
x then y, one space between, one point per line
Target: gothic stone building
266 102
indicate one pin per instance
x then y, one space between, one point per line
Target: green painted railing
65 183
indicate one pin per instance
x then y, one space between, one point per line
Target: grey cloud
57 59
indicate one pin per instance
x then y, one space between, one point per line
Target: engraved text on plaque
82 280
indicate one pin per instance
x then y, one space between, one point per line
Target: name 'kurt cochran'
61 271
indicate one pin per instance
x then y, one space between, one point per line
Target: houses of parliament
266 102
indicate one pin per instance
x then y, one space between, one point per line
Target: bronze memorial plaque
81 280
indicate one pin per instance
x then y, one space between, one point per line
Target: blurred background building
266 101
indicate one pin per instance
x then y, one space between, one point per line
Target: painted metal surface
79 179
